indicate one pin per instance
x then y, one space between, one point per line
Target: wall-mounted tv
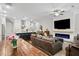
62 24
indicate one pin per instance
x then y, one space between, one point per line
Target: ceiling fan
57 12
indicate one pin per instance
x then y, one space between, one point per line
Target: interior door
3 32
9 27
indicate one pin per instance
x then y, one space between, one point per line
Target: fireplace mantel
64 30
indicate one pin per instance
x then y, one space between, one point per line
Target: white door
9 27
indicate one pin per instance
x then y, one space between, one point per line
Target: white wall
77 23
67 15
46 22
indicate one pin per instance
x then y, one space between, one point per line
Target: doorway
9 26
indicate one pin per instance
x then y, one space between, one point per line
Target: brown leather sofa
51 46
73 49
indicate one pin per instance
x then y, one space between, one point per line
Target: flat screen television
62 24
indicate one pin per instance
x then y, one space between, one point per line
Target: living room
39 29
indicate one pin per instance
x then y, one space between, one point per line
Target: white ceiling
35 10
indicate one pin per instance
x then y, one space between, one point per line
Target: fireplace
66 36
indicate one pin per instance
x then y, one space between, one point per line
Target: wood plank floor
6 49
23 49
26 49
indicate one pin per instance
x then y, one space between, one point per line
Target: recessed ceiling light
72 6
8 5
